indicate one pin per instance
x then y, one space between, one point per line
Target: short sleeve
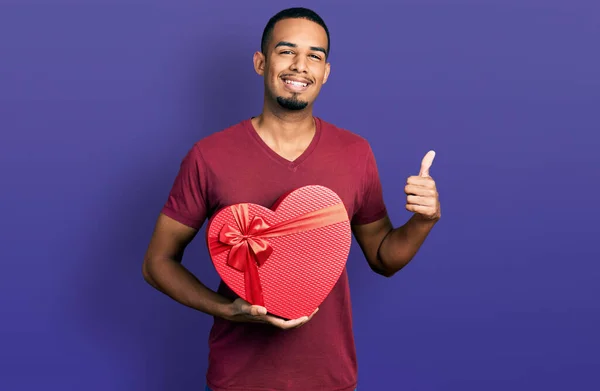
186 201
371 205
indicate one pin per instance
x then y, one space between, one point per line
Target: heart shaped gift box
287 258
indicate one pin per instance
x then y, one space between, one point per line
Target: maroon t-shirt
235 165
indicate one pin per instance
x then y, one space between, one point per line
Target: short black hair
293 13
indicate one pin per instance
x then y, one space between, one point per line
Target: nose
299 64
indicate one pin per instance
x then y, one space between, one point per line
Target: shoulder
225 137
220 143
345 138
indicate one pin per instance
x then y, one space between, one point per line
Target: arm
162 266
163 270
389 249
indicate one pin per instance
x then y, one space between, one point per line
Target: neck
285 126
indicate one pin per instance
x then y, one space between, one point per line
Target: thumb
247 308
257 310
426 164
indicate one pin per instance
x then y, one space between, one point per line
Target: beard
292 103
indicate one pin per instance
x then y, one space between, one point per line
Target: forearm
401 244
174 280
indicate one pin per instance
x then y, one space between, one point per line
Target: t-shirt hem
180 218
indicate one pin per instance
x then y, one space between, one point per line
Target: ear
327 71
259 63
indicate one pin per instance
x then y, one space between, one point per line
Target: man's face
295 65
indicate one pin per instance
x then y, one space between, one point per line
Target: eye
286 52
315 57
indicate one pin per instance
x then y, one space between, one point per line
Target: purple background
99 101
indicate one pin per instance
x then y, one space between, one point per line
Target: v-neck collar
292 165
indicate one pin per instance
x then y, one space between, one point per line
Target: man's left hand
421 193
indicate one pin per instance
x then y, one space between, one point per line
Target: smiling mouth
295 83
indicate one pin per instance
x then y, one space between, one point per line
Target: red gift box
287 258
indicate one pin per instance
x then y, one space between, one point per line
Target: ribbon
248 244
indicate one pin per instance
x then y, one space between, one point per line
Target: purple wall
99 101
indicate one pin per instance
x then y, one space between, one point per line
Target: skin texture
297 50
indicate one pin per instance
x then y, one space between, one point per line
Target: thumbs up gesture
421 193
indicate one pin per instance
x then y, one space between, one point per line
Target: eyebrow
293 45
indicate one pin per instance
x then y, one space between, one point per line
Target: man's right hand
242 311
163 270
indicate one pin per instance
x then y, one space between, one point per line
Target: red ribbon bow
249 247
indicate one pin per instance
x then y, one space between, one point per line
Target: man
258 160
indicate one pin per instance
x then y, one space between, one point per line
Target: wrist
226 310
428 221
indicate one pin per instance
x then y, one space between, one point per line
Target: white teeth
296 83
